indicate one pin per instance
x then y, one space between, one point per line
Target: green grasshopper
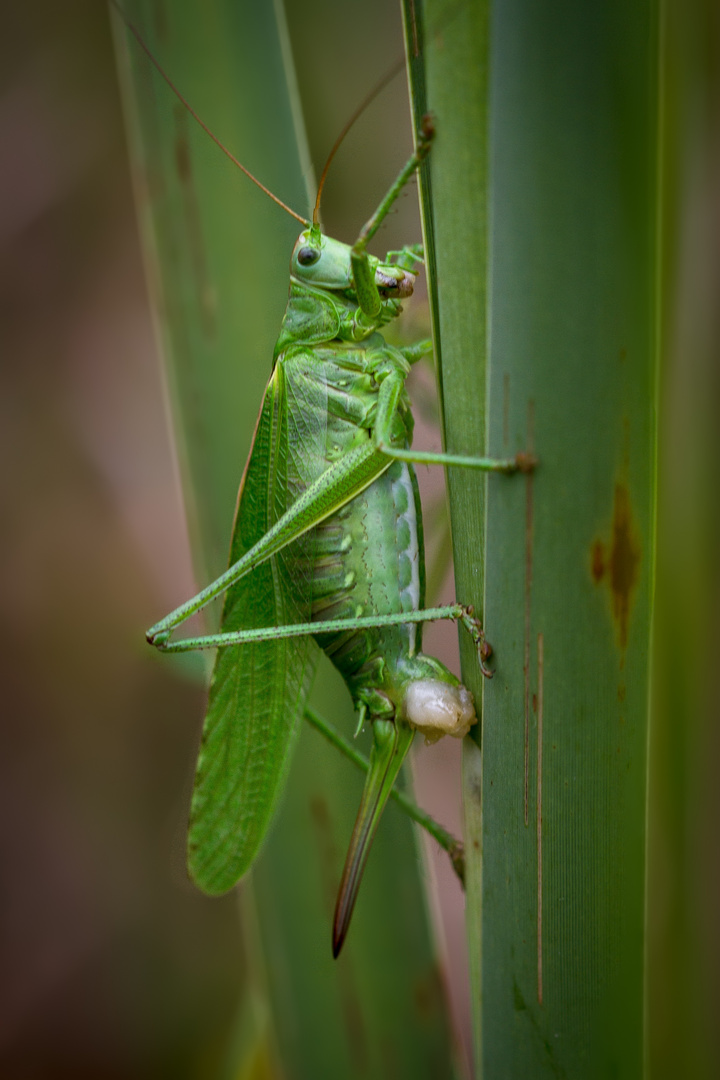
327 550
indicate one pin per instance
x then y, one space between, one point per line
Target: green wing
258 691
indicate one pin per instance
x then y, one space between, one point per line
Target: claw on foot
525 463
483 646
427 128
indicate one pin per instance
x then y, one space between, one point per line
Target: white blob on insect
435 708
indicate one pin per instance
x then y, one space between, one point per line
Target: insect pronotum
328 526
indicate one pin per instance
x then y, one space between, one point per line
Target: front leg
413 353
366 288
409 257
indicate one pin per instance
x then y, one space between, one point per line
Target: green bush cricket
327 548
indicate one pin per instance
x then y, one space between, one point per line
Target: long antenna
387 78
183 101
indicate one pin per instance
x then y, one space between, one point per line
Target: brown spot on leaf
619 565
182 159
624 561
598 561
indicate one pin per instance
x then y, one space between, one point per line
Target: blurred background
110 966
113 965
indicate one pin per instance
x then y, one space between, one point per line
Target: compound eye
306 256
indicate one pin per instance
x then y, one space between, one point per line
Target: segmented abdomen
368 561
368 558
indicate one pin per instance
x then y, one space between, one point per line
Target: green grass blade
683 879
544 182
216 247
218 254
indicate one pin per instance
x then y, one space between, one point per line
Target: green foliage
218 253
543 241
545 183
